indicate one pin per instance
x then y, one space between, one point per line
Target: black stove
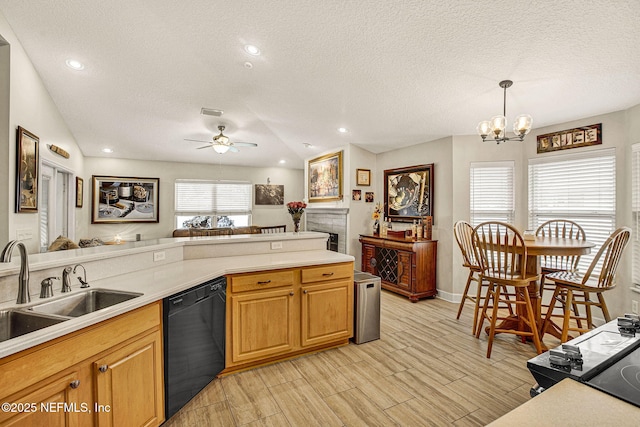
607 358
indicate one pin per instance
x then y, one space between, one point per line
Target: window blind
580 187
212 197
635 211
492 192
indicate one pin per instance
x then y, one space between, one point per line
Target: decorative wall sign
27 171
79 191
117 199
325 178
59 151
269 194
571 138
408 192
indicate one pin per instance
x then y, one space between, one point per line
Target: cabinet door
369 262
129 385
327 312
405 264
54 402
261 324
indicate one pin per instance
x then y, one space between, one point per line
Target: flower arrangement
296 209
377 212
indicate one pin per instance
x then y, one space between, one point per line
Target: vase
376 227
296 225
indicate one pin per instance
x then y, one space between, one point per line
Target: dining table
537 248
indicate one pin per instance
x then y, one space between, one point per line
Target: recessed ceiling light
283 161
307 145
248 65
251 49
343 130
74 64
107 150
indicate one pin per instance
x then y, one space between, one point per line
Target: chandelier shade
496 128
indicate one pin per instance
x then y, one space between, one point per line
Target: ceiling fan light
221 139
522 125
220 148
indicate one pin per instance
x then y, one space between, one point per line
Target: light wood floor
426 369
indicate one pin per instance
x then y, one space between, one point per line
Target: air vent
211 112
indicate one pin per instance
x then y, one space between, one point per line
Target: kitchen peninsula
100 350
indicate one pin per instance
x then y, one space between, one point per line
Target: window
226 203
635 211
580 187
492 195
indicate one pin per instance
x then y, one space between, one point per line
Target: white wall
440 153
168 172
31 107
360 221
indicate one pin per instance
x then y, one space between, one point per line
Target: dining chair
195 232
463 232
273 229
572 287
563 229
502 255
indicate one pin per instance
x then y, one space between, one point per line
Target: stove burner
631 374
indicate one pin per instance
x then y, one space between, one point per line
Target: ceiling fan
221 143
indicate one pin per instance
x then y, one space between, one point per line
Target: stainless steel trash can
366 313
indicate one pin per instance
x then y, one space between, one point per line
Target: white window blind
580 187
635 211
492 192
212 197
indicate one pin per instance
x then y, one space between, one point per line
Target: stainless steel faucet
66 279
23 278
83 281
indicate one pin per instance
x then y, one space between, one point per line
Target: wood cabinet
273 315
106 374
404 266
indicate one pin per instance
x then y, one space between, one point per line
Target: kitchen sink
83 303
14 323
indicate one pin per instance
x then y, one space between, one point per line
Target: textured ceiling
395 73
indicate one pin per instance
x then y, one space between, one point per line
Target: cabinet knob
305 292
291 293
103 368
264 283
74 384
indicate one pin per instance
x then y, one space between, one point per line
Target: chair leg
465 293
587 307
494 316
567 316
476 309
603 307
483 315
532 321
547 317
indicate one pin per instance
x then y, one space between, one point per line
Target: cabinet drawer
265 280
327 272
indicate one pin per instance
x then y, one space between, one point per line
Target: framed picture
570 138
368 197
408 193
363 177
124 199
269 194
79 191
356 195
27 171
325 178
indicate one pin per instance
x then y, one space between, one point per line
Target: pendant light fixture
495 129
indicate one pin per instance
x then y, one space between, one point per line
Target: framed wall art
269 194
356 195
79 191
124 199
363 177
325 178
408 193
27 156
570 138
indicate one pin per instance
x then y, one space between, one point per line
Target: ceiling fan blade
206 146
197 140
234 149
245 144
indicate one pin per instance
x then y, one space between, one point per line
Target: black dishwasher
194 337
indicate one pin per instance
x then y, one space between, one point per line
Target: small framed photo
117 199
79 191
363 177
27 171
368 197
356 195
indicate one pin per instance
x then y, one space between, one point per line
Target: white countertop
165 280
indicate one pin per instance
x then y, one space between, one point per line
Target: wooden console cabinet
404 266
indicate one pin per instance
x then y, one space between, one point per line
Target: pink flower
296 208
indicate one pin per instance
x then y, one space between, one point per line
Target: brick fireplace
329 220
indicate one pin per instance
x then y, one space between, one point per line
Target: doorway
56 204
